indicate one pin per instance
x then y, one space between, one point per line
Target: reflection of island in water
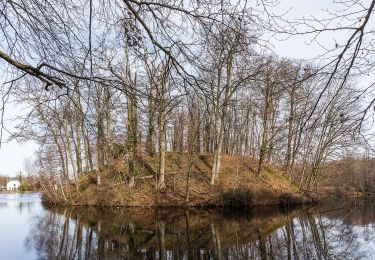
175 233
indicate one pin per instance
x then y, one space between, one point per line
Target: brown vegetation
348 177
239 185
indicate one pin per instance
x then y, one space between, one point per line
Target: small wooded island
198 103
187 183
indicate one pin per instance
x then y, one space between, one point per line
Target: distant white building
13 185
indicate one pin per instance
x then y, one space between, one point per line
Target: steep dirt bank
238 185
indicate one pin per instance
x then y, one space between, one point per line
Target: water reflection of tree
313 237
89 233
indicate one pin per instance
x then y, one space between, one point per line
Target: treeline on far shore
348 176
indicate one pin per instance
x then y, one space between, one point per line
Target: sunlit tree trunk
162 148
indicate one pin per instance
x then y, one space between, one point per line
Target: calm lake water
28 230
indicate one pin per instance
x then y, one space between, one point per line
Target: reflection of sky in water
16 212
18 197
340 239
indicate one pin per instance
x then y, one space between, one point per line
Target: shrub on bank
287 199
241 197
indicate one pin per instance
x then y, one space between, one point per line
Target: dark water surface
29 230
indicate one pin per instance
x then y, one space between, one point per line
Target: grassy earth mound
238 184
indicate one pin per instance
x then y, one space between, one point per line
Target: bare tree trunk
175 134
291 119
264 143
90 164
109 141
100 144
85 150
78 117
220 126
78 150
162 149
193 133
59 148
70 153
132 119
217 154
150 140
181 132
132 136
270 146
151 109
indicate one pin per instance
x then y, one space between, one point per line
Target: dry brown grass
238 184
